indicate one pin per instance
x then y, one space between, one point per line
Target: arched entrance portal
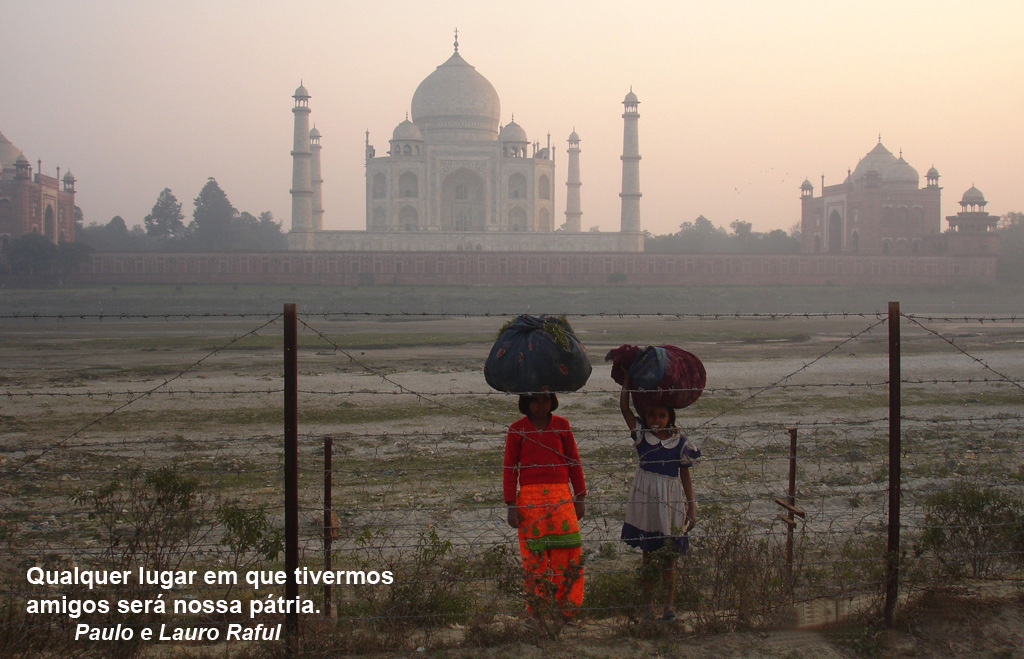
835 233
462 202
50 225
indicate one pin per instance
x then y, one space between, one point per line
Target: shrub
434 588
972 530
153 519
733 572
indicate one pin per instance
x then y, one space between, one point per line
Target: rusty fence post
789 505
895 450
291 472
330 520
792 502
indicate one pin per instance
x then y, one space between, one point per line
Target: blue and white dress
656 509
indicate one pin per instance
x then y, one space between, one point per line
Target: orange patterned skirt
551 546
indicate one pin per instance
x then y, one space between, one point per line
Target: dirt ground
84 395
943 625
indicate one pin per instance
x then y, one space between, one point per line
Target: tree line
216 226
1010 265
703 237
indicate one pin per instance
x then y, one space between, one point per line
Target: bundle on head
537 353
661 376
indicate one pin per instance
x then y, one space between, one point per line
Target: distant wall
465 241
530 268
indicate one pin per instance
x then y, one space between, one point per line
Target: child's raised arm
627 413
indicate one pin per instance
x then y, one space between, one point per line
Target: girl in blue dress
661 508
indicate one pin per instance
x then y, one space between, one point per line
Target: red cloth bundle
662 376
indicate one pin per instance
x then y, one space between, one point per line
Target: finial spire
456 39
879 138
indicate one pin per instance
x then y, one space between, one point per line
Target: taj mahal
455 179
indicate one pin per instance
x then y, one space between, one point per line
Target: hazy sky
740 101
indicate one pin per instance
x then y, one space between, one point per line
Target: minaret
573 214
302 184
318 182
630 194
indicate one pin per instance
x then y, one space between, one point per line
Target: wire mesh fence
155 442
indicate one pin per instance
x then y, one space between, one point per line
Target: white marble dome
457 102
890 169
903 172
8 152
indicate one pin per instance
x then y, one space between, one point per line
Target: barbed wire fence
415 451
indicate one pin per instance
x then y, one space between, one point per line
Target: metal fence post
789 504
895 449
792 502
291 471
329 526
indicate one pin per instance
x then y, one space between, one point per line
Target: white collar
650 438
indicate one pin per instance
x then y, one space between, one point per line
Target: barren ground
87 397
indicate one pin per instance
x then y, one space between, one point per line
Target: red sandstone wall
502 269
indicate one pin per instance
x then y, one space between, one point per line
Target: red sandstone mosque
881 209
33 203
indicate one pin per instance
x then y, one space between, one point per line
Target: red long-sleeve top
535 457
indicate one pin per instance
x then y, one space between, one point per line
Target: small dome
22 160
300 92
631 97
512 132
69 177
973 196
573 137
314 133
932 172
902 172
806 185
407 130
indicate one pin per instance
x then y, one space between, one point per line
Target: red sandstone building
33 203
878 209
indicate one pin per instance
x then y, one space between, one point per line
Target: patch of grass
614 592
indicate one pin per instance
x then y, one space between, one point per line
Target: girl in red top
541 458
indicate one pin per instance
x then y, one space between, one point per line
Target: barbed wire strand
31 459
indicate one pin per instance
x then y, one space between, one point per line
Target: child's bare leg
668 580
647 581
